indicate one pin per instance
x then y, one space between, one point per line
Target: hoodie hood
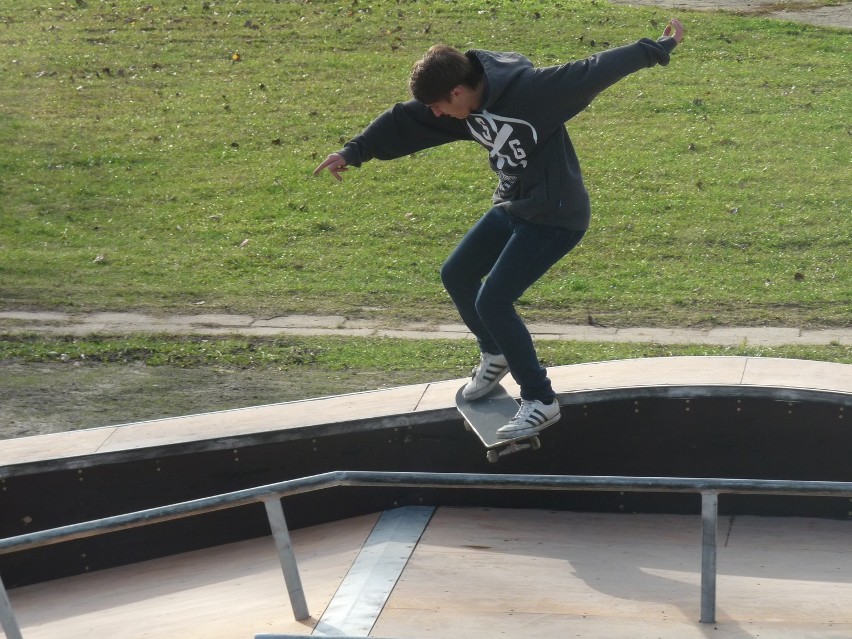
500 70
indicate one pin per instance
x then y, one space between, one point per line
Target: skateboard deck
485 415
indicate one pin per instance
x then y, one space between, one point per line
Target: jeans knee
447 275
488 304
457 281
446 271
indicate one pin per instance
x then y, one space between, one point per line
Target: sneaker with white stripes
485 376
532 417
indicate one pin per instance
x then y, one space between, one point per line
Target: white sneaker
532 417
484 377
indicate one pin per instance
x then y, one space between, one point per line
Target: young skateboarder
540 209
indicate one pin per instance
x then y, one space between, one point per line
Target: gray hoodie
521 123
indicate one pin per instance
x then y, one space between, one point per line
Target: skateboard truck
508 446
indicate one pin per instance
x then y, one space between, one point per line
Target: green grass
398 358
139 155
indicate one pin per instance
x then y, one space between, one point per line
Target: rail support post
287 557
709 521
7 615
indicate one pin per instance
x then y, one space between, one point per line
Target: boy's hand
674 29
335 165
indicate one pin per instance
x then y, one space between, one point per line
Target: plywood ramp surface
490 573
484 573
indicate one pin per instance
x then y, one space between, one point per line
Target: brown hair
441 70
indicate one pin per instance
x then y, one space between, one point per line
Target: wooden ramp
479 572
474 572
780 379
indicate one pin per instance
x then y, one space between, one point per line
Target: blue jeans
510 254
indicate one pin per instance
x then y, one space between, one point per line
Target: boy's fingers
334 163
319 169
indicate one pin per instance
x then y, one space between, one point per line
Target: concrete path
80 324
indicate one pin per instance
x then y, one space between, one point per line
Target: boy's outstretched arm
405 128
573 86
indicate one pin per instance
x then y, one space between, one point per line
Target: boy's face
459 104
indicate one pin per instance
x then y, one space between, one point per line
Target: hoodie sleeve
403 129
573 86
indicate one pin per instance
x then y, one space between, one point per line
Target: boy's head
439 71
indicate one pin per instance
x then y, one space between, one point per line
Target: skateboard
485 415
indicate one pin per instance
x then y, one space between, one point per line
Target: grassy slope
140 154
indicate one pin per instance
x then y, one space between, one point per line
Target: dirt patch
36 399
805 11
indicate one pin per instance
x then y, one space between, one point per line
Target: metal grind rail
271 495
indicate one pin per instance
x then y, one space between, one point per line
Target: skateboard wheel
467 426
535 443
492 456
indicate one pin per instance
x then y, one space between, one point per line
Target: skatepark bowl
677 497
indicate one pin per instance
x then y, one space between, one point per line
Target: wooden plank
830 376
273 417
645 372
24 450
